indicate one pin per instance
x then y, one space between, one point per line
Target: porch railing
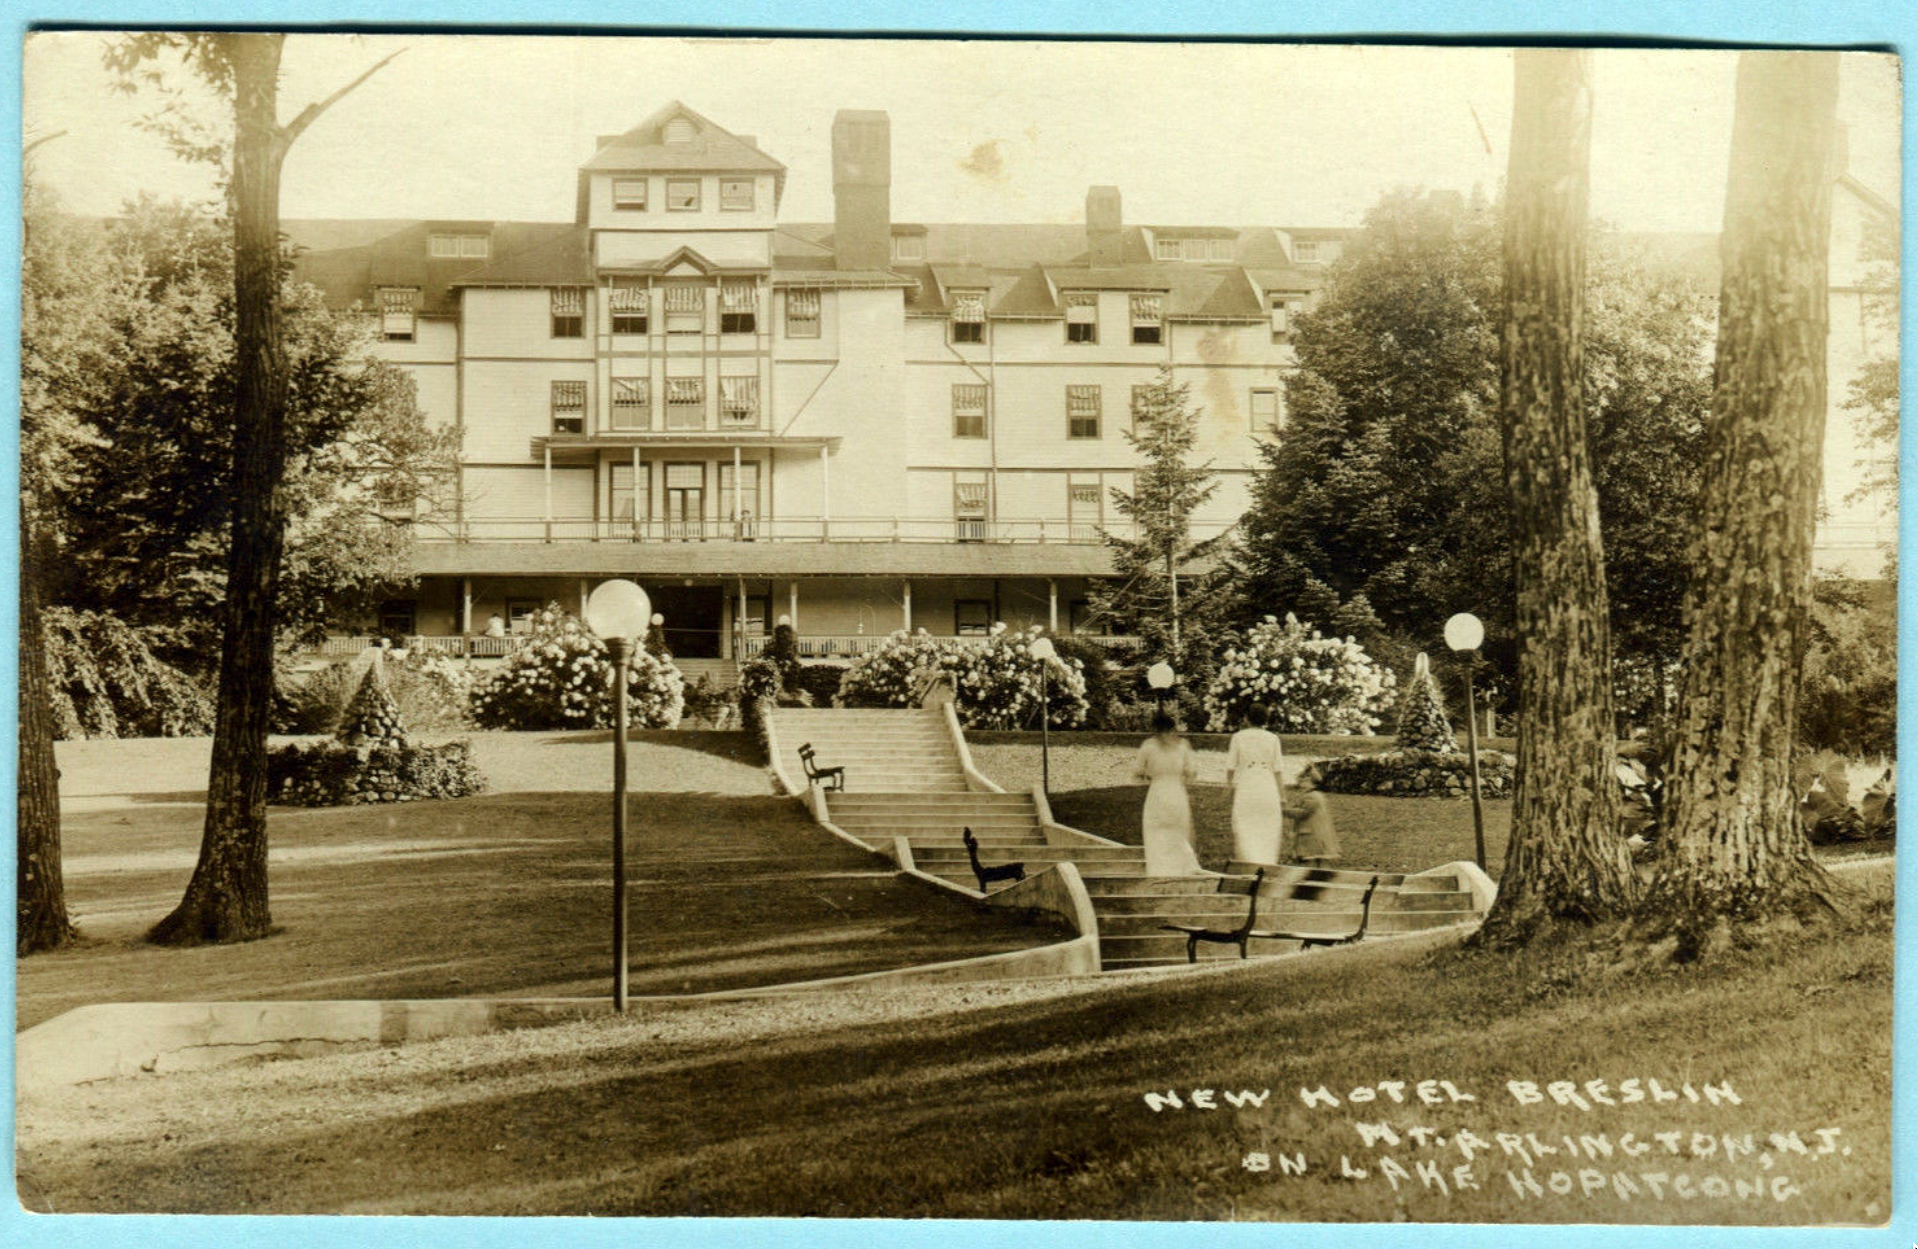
946 529
811 646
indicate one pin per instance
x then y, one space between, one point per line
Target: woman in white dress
1165 763
1251 773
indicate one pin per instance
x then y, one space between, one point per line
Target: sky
494 126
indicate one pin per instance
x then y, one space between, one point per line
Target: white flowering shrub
995 679
1313 684
561 678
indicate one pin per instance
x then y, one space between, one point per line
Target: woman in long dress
1252 774
1166 764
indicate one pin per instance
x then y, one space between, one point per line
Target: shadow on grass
735 747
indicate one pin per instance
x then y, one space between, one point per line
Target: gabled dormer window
459 247
908 247
968 316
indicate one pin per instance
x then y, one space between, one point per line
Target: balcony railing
1036 530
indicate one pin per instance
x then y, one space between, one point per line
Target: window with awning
739 400
1082 316
685 403
969 410
738 307
569 312
685 309
630 299
632 406
1082 411
569 407
398 312
968 316
1148 317
802 313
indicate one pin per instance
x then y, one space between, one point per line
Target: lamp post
1464 633
1044 652
618 611
1160 677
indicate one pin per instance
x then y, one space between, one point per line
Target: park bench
831 778
1248 930
986 875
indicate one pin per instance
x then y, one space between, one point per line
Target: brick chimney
1102 227
862 188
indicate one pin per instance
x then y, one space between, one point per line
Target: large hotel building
863 425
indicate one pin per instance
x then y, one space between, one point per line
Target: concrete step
1198 902
983 798
909 818
1098 858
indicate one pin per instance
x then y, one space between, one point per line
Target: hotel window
1265 411
628 506
569 312
1147 318
1285 306
685 403
1082 507
629 193
972 618
685 309
802 314
632 403
1082 316
968 316
1082 411
629 307
682 195
908 247
569 407
738 308
736 194
969 507
1305 252
739 400
968 410
398 312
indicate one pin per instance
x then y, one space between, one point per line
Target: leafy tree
1565 860
1177 610
226 899
144 537
1731 848
1389 480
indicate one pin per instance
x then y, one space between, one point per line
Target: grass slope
1028 1101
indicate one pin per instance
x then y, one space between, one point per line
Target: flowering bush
431 690
1313 684
561 678
995 680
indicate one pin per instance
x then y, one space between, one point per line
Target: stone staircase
883 751
904 779
724 673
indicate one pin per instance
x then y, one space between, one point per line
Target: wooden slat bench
831 778
1249 930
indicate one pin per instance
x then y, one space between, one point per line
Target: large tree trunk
1732 846
226 899
40 900
1565 860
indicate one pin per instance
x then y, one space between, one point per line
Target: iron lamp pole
618 611
1044 652
1464 633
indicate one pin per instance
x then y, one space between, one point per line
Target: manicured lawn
505 894
1028 1101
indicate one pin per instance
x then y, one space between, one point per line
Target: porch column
466 604
908 606
792 605
582 597
549 492
1052 604
739 620
825 492
736 493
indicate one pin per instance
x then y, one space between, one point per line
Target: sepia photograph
740 626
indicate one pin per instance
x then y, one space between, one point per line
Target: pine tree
1177 609
1422 723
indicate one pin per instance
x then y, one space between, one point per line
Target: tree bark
40 899
226 899
1565 861
1732 847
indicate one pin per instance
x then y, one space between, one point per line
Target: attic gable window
1148 317
1304 251
680 130
908 247
1082 316
569 312
1192 249
968 316
629 193
399 307
459 247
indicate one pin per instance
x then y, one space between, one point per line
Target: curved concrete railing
1483 888
976 780
774 761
